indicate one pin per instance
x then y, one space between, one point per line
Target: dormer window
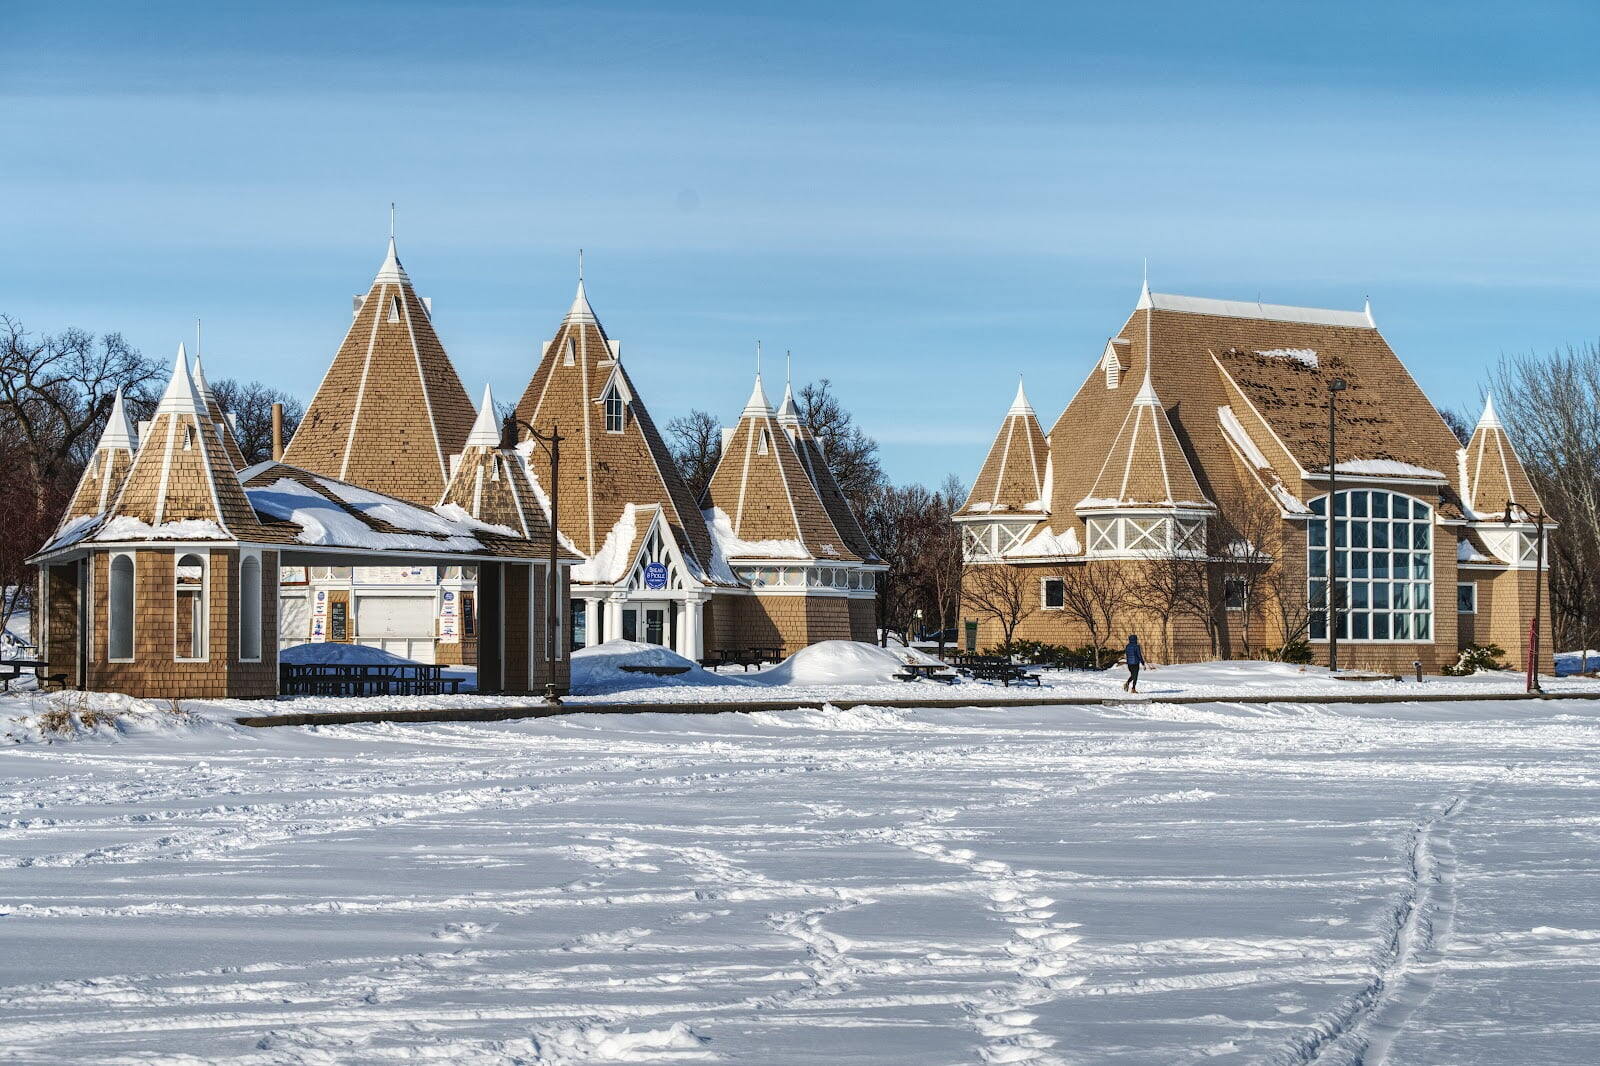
571 357
394 309
761 442
615 410
188 437
1111 362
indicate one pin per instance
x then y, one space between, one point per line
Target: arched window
190 615
250 609
119 608
1382 567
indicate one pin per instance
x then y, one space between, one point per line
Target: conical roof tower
765 494
497 487
181 485
815 462
1493 473
1013 479
1145 466
230 441
390 411
103 478
613 454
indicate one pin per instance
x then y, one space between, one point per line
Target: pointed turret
1145 466
761 499
181 484
108 467
230 442
1013 479
614 455
833 499
390 411
1494 474
496 487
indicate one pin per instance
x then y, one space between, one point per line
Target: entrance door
655 625
339 615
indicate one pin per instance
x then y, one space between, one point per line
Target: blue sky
921 200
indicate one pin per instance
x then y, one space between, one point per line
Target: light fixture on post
551 442
1538 521
1335 387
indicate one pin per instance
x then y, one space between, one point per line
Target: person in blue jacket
1133 655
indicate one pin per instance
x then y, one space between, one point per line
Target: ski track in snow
1288 884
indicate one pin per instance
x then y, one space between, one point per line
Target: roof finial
391 220
1144 287
197 348
485 430
580 266
788 367
1019 403
758 358
1490 419
1147 391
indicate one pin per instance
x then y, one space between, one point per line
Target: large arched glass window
250 609
1382 566
119 607
190 615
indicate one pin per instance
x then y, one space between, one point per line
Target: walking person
1133 655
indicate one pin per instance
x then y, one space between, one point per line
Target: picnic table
1004 672
11 670
364 679
754 655
931 671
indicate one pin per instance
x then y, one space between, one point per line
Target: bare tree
1162 585
1001 592
1096 595
1245 534
249 408
851 455
902 522
942 564
696 446
1459 424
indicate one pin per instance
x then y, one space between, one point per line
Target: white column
694 640
587 612
613 610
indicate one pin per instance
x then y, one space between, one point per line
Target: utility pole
1335 387
1539 520
551 442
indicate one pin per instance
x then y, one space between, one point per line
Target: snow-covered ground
1103 884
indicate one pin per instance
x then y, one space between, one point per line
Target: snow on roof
1235 432
1467 553
608 565
1199 305
1047 545
1387 468
389 510
1308 356
126 527
72 531
324 522
731 546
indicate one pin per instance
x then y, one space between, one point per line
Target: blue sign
655 575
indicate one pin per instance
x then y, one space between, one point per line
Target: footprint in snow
460 932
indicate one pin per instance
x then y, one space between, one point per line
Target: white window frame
1044 599
261 606
1399 587
1473 585
1140 535
204 634
614 396
133 607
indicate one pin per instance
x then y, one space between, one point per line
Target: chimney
277 432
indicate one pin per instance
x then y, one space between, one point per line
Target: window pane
1359 565
1380 627
1317 534
1380 505
1380 564
1320 506
1358 504
1402 564
1402 627
1358 534
1319 627
1358 623
1419 537
1422 626
1380 595
1358 594
1319 563
1380 534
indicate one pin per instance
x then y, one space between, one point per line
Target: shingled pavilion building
1199 441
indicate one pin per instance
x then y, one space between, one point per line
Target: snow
842 662
1132 883
1047 545
1235 431
329 653
598 669
1290 503
610 563
324 522
732 546
391 511
126 527
1387 468
1571 662
1466 553
72 531
454 512
1307 356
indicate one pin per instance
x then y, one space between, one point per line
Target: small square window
1467 598
1233 591
1055 594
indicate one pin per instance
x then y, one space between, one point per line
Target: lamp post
1538 589
1335 387
551 442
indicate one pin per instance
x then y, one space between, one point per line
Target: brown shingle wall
791 621
863 620
61 637
518 631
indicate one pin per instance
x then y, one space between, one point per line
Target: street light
551 442
1538 589
1335 387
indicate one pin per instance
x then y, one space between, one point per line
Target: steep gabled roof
1012 480
762 500
181 484
1145 465
390 411
603 472
1492 472
230 442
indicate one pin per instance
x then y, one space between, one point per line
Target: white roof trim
1020 405
580 309
1490 419
391 270
119 430
1199 305
180 397
485 431
757 403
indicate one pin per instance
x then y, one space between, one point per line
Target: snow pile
390 511
732 546
1235 431
36 718
73 530
1388 468
608 564
1048 545
1306 356
126 527
331 654
599 669
596 1043
322 521
842 662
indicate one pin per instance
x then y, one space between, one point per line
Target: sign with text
655 575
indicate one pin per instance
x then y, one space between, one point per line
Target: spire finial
485 430
788 367
580 266
1144 287
391 220
1490 419
197 348
1020 404
758 358
1147 391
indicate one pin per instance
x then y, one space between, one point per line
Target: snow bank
1572 662
599 669
841 662
36 718
331 654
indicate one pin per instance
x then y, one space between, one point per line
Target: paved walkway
501 714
